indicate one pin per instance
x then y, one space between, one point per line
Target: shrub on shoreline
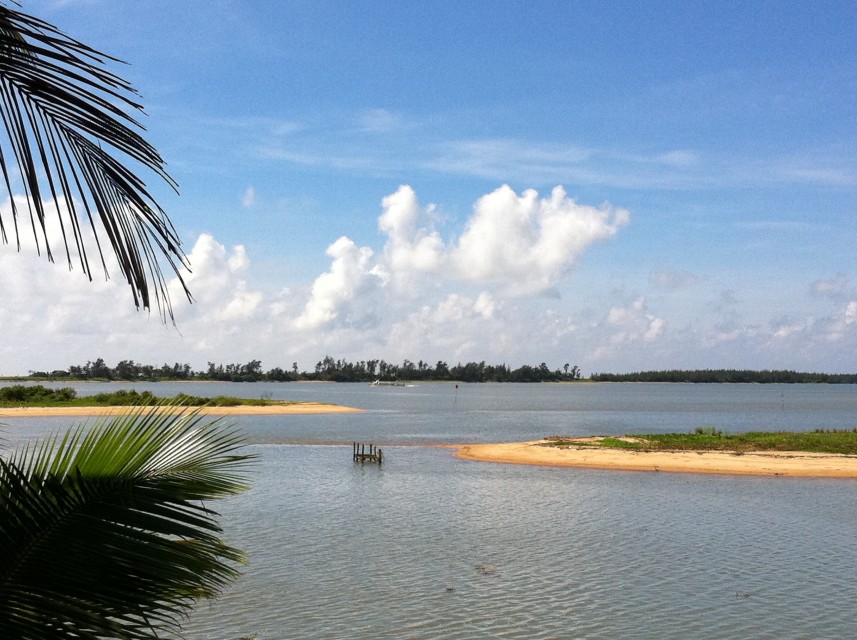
40 396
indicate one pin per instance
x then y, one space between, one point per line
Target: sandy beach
298 408
779 463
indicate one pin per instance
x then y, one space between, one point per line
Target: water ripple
431 547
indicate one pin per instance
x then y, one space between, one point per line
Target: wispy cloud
388 142
536 162
383 121
783 226
834 287
822 176
672 279
249 197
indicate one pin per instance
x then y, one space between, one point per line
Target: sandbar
780 463
298 408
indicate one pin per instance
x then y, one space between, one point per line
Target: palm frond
60 108
104 532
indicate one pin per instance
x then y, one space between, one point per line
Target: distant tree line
326 370
727 376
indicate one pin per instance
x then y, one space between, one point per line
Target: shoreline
299 408
781 463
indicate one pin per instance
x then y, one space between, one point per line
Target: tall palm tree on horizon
66 118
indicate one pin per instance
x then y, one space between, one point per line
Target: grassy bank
39 396
708 439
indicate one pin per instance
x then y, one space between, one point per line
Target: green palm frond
105 532
60 108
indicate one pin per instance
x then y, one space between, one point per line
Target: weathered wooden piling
360 455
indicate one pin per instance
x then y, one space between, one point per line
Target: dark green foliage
330 370
707 431
126 398
218 401
326 370
727 376
37 394
69 126
107 532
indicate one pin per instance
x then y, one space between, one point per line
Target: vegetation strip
326 370
840 442
728 376
40 396
330 370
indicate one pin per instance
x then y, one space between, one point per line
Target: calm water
433 547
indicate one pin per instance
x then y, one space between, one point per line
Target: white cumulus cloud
516 245
635 323
413 246
457 326
434 287
331 292
526 243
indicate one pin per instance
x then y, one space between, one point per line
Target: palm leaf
60 108
104 532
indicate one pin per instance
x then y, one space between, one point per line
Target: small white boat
386 383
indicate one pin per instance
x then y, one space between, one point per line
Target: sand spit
801 464
298 408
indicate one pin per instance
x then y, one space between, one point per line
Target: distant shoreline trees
325 370
732 376
330 370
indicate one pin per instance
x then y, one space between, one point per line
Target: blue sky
379 180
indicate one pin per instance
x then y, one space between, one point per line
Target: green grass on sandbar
710 439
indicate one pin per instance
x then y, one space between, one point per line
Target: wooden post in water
358 453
